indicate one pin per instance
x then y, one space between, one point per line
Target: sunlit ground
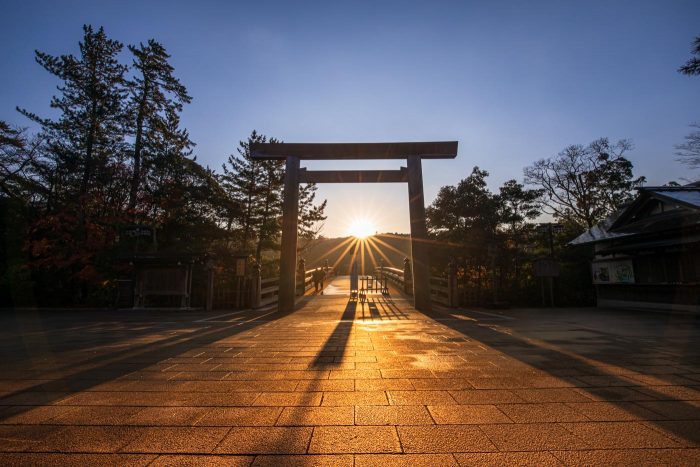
346 382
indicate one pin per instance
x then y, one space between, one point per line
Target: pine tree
518 205
89 131
82 168
692 66
180 197
271 199
242 180
311 214
18 154
255 188
155 96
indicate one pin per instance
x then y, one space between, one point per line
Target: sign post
546 268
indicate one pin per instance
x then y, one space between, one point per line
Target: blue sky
512 81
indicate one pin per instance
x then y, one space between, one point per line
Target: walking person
317 277
322 277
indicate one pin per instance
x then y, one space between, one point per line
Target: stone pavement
346 383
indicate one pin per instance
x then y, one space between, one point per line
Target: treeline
494 238
116 156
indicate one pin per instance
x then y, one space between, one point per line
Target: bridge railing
393 275
440 290
443 290
268 291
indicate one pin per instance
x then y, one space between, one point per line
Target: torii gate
412 174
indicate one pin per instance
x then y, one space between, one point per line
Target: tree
242 180
689 151
115 151
82 166
468 211
256 187
311 215
582 185
518 204
272 175
692 66
155 95
18 158
465 220
88 134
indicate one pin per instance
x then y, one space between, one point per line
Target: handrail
270 294
439 286
440 293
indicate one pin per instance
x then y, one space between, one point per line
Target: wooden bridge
443 289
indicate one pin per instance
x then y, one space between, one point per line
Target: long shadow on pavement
519 348
131 360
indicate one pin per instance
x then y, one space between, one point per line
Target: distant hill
391 248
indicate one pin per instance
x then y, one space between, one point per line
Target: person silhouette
318 275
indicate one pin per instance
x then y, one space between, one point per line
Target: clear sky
512 81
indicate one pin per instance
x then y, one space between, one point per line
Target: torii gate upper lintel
412 152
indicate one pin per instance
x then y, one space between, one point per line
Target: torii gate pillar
290 218
419 235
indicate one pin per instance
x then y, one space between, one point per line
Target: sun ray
353 241
362 255
335 248
354 254
424 240
370 254
371 241
392 248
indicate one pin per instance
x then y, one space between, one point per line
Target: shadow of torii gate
293 153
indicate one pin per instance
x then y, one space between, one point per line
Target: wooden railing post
452 295
255 286
301 276
407 276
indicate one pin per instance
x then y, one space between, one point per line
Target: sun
361 228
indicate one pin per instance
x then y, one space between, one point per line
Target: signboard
240 267
545 267
613 272
138 231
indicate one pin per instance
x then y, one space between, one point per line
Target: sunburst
361 228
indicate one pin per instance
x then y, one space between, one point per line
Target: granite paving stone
444 438
468 414
354 439
314 416
392 415
265 440
337 383
405 460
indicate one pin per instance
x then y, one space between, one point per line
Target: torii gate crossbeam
412 152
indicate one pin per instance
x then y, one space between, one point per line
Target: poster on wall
613 272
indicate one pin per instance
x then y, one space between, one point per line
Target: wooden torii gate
293 153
